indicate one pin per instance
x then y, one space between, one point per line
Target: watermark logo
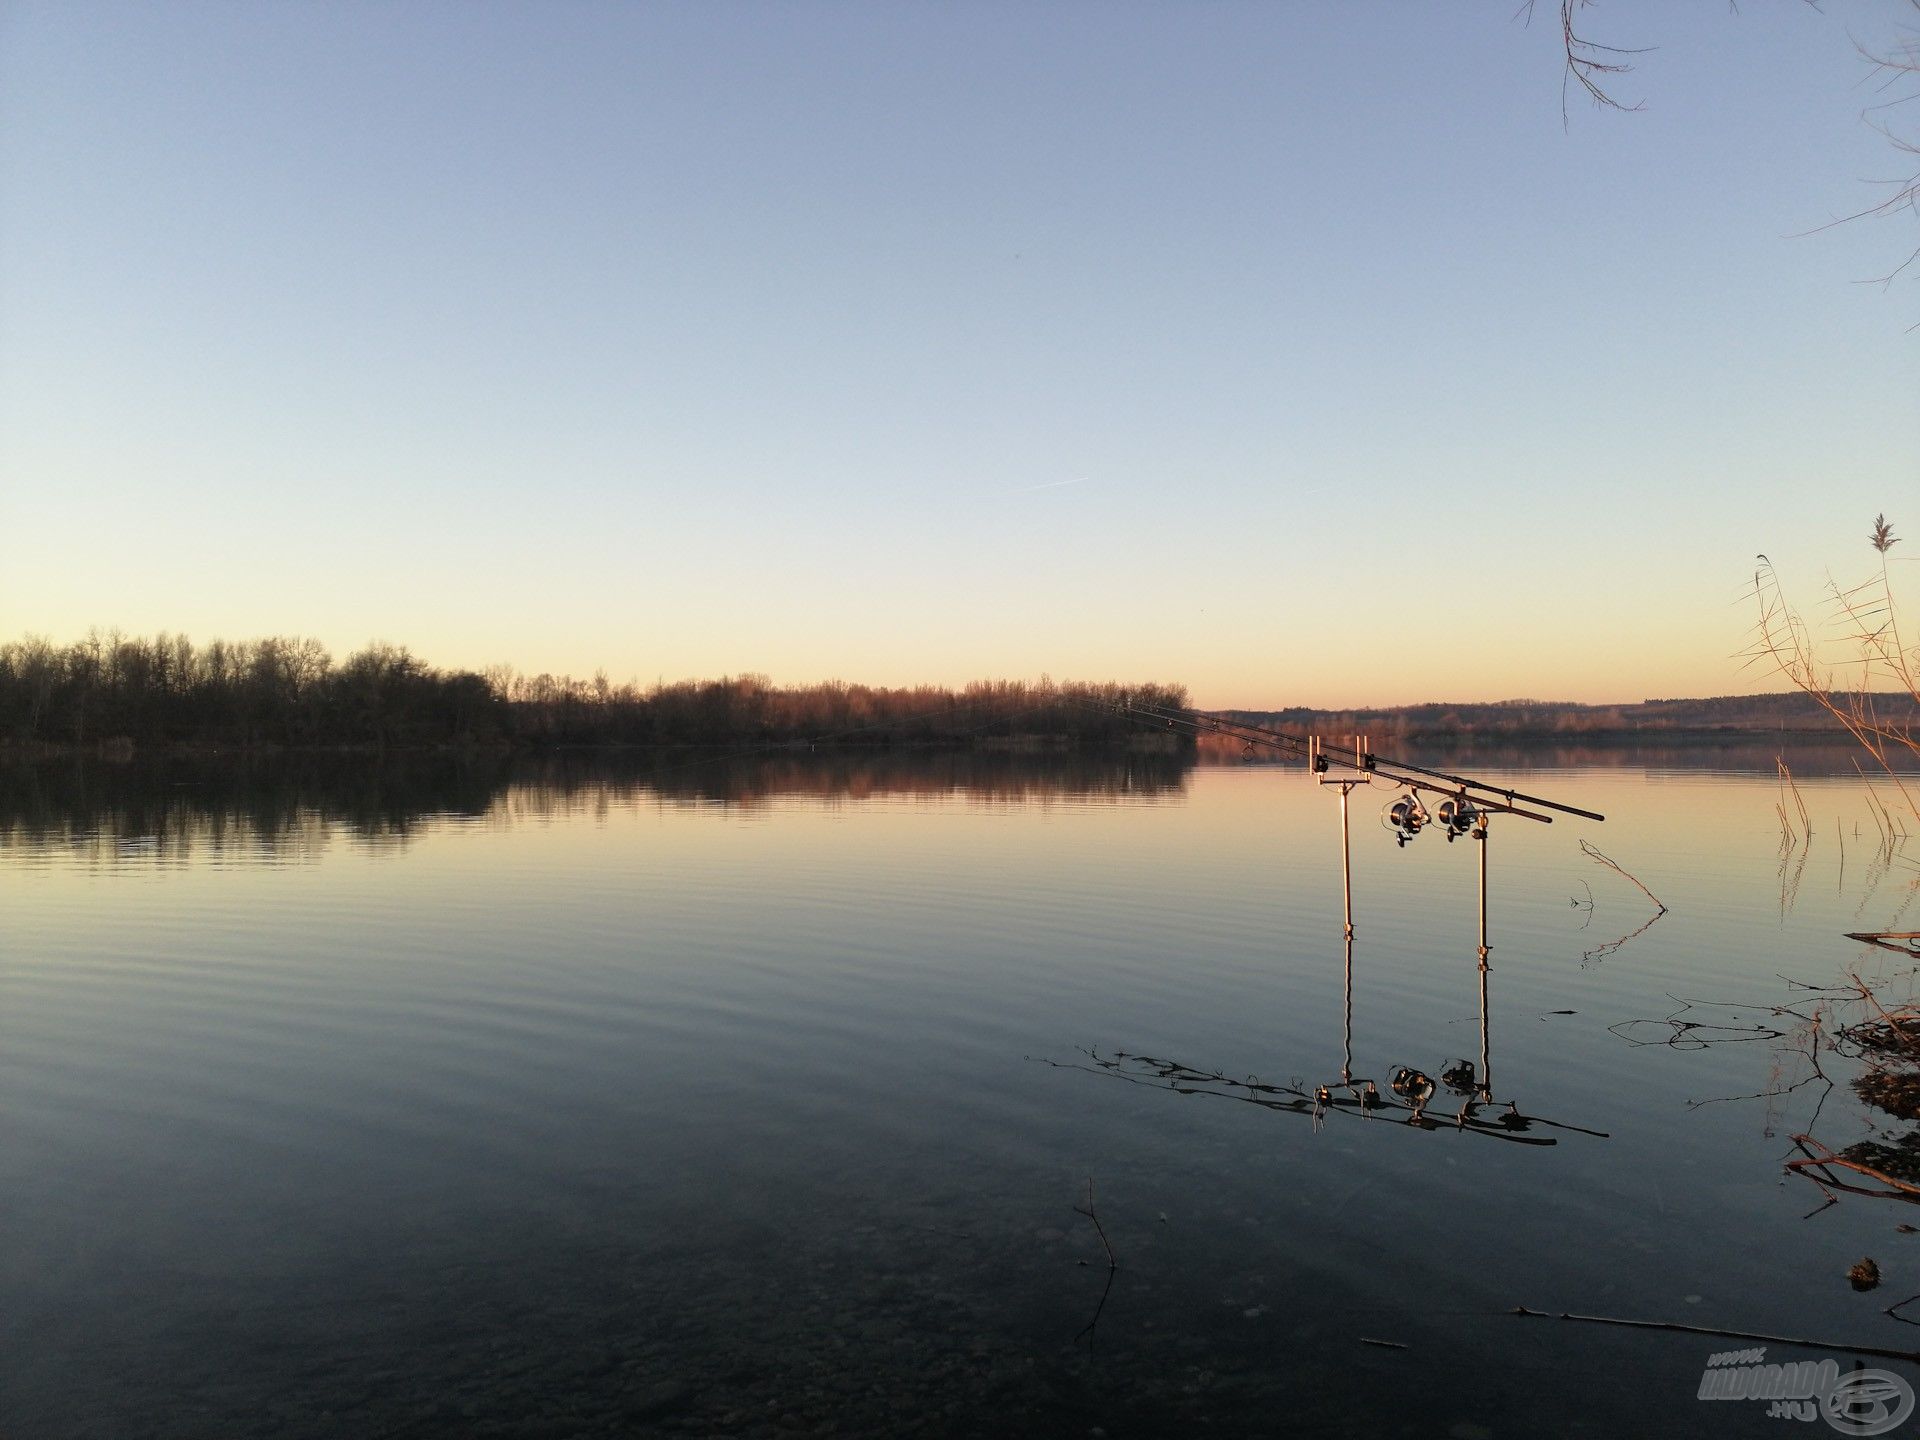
1868 1402
1861 1402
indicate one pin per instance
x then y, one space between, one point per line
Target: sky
1302 353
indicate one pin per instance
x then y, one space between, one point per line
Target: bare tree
1589 64
1894 67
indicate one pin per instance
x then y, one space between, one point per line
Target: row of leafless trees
285 691
292 692
1547 719
750 707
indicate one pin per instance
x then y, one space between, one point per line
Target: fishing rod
1466 809
1364 763
1364 760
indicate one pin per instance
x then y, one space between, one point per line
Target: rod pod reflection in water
1465 808
1406 817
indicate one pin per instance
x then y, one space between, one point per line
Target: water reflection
702 1121
282 809
1410 1098
1863 1032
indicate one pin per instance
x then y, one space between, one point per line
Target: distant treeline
117 690
1789 712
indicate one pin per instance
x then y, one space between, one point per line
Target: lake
602 1097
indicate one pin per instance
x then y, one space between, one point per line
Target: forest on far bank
1787 712
168 691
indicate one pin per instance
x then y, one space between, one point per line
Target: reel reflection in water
1409 1090
1465 806
1412 1086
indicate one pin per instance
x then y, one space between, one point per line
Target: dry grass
1856 649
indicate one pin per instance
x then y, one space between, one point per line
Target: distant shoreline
1701 735
112 696
1785 716
1206 750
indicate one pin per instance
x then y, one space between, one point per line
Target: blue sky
1296 351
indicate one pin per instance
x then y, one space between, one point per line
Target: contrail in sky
1050 485
1317 490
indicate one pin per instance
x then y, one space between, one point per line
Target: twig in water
1909 940
1818 1163
1698 1034
1593 852
1092 1328
1909 1355
1601 952
1099 1229
1776 1091
1866 993
1790 885
1586 905
1788 786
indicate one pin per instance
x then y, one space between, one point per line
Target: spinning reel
1459 815
1405 818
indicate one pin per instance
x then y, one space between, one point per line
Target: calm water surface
598 1101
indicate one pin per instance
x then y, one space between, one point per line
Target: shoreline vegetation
1786 713
112 696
